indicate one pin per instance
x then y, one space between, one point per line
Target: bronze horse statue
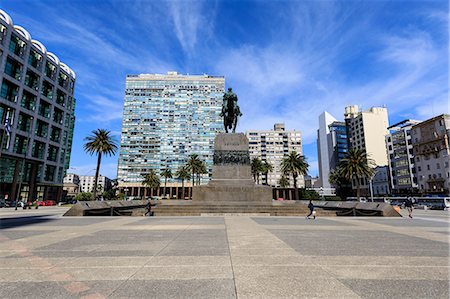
230 111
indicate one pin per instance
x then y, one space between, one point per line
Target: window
13 68
38 149
63 80
32 80
28 101
41 129
9 91
428 167
49 173
35 59
438 166
58 116
24 123
2 33
55 134
47 90
20 144
52 153
50 70
60 98
44 109
16 45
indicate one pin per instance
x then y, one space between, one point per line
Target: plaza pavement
44 255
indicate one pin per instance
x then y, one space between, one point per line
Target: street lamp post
371 189
126 191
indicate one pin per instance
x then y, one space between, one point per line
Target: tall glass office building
166 118
36 116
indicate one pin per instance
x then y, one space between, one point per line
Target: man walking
409 206
311 210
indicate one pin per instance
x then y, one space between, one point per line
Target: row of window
35 59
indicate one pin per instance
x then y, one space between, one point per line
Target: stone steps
229 209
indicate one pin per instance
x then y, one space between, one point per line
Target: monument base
219 194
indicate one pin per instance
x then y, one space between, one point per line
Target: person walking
311 210
149 209
409 206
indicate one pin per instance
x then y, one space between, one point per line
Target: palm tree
101 143
166 174
283 182
266 168
193 165
201 170
151 180
183 174
296 165
356 165
257 167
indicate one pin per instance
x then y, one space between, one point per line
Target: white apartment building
430 140
401 157
71 185
367 130
271 146
87 183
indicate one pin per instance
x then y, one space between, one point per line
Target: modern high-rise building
367 130
36 116
271 146
401 158
166 118
430 140
331 146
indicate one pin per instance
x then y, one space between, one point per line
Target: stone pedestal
231 177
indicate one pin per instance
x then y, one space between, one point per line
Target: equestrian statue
230 111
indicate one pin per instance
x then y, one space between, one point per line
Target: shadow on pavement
11 222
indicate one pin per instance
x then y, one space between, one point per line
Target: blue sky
288 61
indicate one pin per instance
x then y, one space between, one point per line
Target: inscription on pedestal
231 157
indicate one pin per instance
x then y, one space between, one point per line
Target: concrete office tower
430 140
166 118
271 146
331 146
401 158
367 130
87 183
36 116
324 148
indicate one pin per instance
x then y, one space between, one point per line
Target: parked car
40 203
50 202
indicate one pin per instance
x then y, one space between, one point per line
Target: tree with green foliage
356 165
308 194
183 174
202 169
166 174
283 181
266 168
193 165
151 180
296 165
109 195
83 196
101 142
256 168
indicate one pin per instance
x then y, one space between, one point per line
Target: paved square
44 255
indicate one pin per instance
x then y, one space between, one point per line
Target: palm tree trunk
266 175
358 191
99 160
295 187
165 187
182 189
257 178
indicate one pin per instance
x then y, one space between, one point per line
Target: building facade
36 116
381 182
271 146
367 130
332 146
402 176
71 185
87 183
430 140
167 118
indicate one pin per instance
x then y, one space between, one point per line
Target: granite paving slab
407 222
20 234
359 243
297 221
180 289
380 289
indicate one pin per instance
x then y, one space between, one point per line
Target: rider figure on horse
230 110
